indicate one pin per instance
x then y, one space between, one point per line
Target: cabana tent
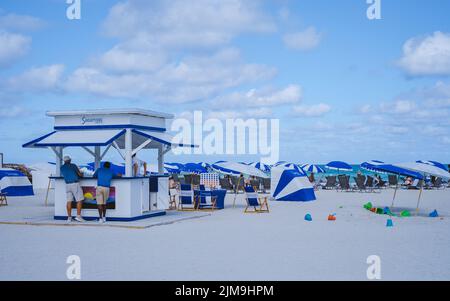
291 185
14 183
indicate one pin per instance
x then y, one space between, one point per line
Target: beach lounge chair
238 183
417 184
393 181
331 182
360 185
344 183
187 199
259 204
3 199
381 184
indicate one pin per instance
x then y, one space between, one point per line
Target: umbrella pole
418 200
395 193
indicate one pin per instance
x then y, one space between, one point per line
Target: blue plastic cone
308 217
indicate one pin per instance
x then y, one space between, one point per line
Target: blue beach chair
187 200
253 200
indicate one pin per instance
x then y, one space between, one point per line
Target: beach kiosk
128 131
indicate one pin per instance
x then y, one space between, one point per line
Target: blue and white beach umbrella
196 168
289 166
434 163
260 166
233 168
312 168
339 166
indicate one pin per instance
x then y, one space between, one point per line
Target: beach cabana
291 185
14 183
128 131
426 170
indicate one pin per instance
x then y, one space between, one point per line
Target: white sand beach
231 245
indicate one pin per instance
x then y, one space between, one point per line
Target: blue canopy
339 165
380 166
290 185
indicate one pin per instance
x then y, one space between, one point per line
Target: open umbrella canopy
289 166
434 163
233 168
381 167
172 168
261 166
425 169
312 168
339 165
194 168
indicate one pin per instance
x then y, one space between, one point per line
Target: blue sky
343 86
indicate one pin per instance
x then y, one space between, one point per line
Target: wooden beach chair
259 204
187 199
3 199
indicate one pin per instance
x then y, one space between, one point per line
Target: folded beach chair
3 200
259 204
331 182
187 199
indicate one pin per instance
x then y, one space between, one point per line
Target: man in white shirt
137 166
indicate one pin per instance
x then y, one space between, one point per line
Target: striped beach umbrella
260 166
312 168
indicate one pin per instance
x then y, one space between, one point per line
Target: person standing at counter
104 176
137 166
72 175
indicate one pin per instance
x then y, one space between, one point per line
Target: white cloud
316 110
261 97
399 107
124 60
428 55
303 40
12 47
20 22
173 23
13 111
245 113
193 78
38 79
